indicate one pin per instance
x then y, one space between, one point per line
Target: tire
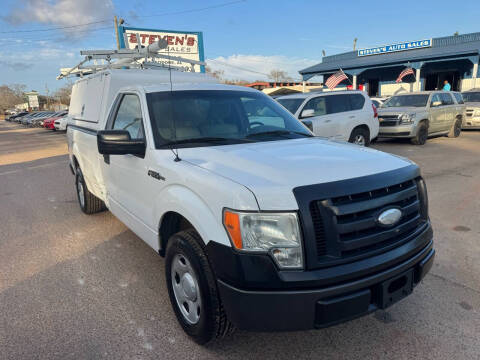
456 129
198 308
360 136
422 134
88 202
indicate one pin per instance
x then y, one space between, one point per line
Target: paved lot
84 287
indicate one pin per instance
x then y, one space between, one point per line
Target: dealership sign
185 44
395 47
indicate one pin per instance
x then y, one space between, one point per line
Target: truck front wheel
422 134
193 290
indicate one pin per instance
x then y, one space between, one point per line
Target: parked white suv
263 226
341 115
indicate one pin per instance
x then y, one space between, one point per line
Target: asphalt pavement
74 286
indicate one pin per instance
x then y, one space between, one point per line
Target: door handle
351 116
328 121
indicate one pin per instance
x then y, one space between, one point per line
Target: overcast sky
254 35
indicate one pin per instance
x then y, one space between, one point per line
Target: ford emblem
389 217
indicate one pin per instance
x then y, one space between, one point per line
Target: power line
245 69
238 67
196 9
57 37
145 16
55 28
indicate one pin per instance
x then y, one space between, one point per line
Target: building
453 58
284 87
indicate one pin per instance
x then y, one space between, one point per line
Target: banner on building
186 44
410 45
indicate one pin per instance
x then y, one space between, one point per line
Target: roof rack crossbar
133 55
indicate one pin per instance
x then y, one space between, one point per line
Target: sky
246 39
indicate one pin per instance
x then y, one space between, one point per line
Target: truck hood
400 110
271 170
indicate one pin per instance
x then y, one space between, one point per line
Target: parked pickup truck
472 112
422 114
263 226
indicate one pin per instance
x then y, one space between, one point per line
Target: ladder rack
126 58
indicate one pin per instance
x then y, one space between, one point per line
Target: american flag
405 72
335 79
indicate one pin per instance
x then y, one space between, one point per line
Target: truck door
129 187
437 113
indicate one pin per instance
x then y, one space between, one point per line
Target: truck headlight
277 234
407 118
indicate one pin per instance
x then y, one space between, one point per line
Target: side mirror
118 142
307 113
436 103
308 124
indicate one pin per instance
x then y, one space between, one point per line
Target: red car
50 122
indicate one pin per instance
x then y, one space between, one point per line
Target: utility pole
48 99
116 31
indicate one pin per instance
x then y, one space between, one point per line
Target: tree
217 74
279 75
11 95
63 94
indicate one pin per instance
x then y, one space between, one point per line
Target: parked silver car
422 114
472 113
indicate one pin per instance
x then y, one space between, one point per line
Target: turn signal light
232 224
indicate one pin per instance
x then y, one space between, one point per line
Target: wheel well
172 222
363 126
425 121
75 162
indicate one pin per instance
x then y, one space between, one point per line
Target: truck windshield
407 100
291 104
212 117
471 96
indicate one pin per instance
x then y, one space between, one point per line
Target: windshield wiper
279 132
205 140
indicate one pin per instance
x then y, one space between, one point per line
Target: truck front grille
344 226
388 120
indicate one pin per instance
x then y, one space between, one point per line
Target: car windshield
213 117
407 100
471 96
291 104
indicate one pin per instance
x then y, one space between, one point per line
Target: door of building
373 87
434 81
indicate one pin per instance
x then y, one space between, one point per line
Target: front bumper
471 122
400 131
289 305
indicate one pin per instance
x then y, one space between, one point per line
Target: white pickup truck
262 225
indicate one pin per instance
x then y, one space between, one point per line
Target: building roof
448 46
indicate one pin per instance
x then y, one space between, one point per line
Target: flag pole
350 81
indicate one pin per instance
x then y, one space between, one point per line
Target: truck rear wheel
422 134
193 290
88 202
